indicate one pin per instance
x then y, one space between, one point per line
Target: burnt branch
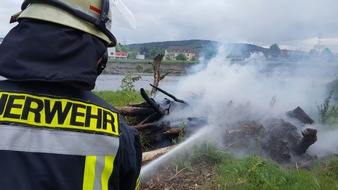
151 102
168 94
135 111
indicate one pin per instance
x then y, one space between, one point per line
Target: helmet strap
103 62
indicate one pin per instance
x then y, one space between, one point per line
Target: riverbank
123 68
112 82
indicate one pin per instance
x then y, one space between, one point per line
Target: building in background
140 56
111 52
120 55
172 52
116 55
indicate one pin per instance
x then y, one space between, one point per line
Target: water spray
198 136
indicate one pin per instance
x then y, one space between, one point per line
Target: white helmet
91 16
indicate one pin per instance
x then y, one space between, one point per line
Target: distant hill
235 51
206 47
195 44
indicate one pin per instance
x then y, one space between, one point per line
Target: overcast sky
292 24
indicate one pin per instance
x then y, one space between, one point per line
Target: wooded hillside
205 47
195 44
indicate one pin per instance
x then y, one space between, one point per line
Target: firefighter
54 132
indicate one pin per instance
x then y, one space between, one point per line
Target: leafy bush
128 81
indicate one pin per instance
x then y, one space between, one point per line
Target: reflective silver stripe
30 139
98 171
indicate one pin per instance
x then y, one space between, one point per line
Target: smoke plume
223 91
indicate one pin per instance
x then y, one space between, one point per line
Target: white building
140 56
111 52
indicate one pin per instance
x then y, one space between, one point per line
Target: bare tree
157 73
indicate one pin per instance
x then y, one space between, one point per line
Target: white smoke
327 143
223 92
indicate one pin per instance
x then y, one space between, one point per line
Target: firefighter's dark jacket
55 134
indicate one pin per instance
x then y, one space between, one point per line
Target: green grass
254 172
120 98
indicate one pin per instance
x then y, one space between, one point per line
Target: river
113 82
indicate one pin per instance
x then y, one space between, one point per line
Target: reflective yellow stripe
96 166
138 182
89 173
107 171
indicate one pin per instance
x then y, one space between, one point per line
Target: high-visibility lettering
53 112
56 111
33 106
90 115
77 115
12 106
108 120
3 100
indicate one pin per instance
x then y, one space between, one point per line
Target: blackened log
282 140
154 125
309 137
300 115
141 127
151 102
151 118
135 111
141 104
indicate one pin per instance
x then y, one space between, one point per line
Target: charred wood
151 118
168 94
151 102
282 140
277 139
300 115
141 104
135 111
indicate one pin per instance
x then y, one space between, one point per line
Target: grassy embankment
174 67
149 61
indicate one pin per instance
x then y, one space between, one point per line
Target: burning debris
276 138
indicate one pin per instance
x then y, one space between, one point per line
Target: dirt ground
173 177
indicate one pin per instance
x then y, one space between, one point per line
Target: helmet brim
56 15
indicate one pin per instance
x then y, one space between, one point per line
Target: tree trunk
157 73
